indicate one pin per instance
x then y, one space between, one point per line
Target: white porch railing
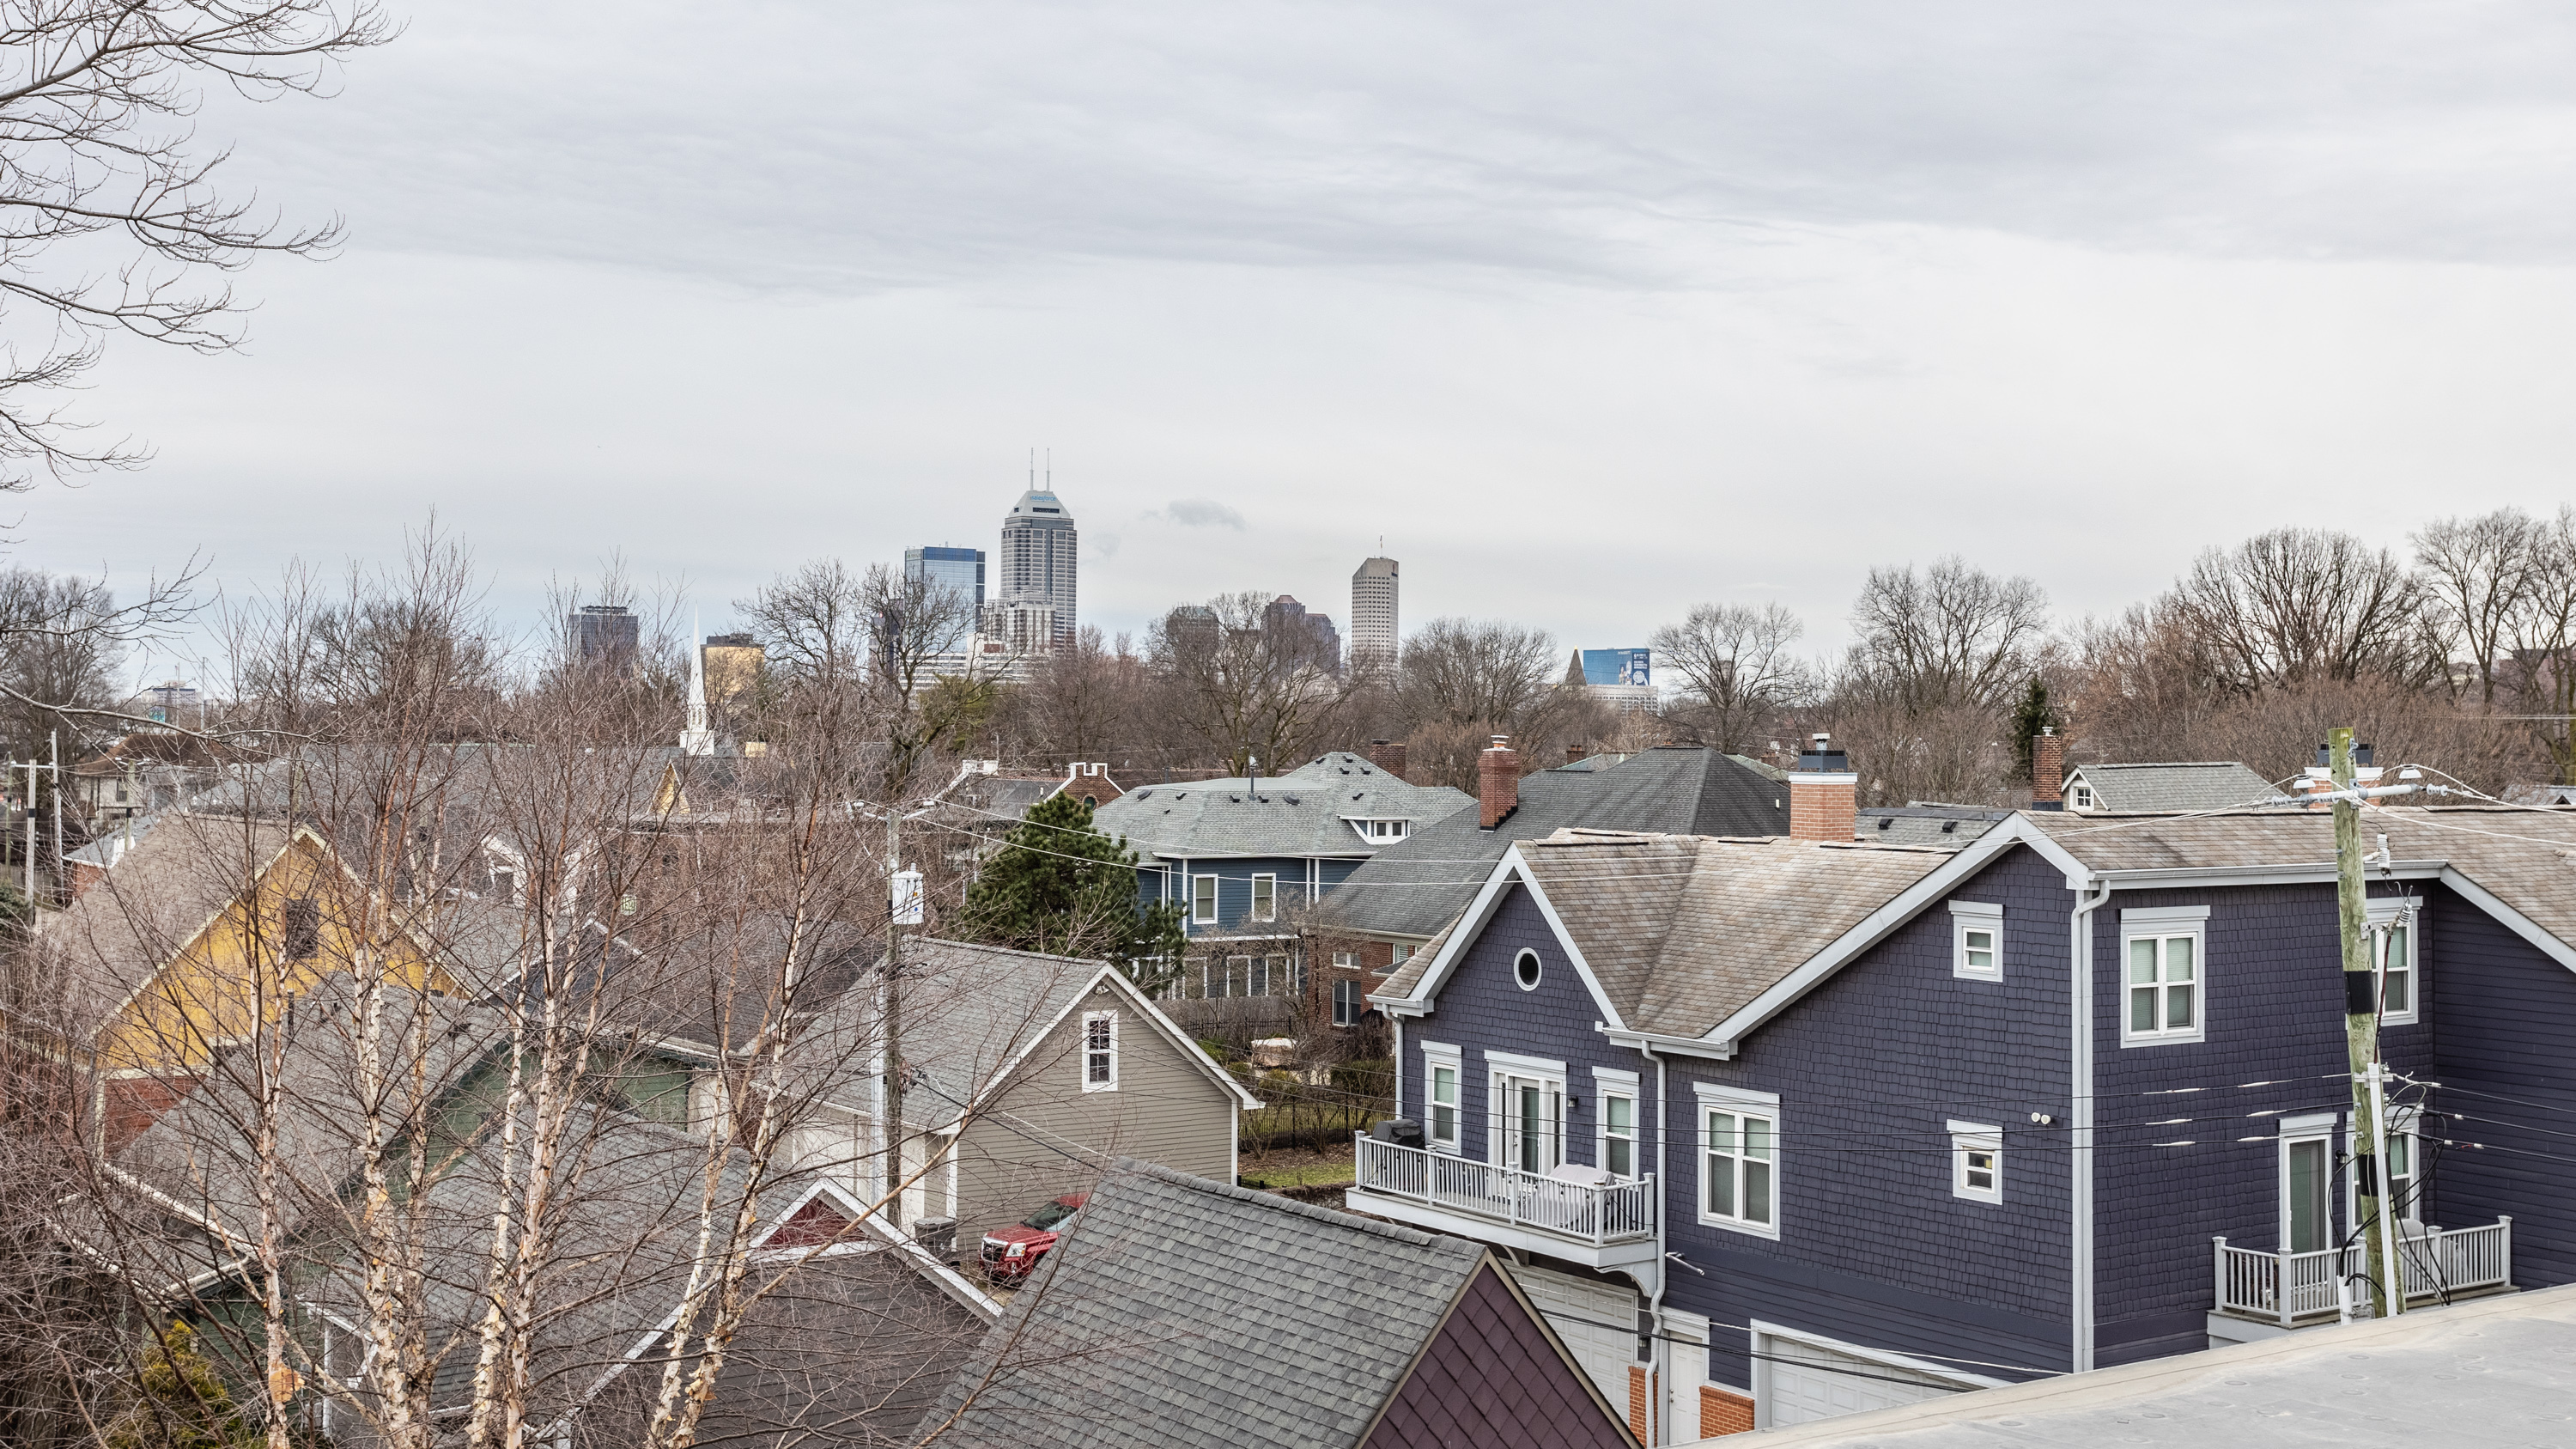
1615 1212
2289 1287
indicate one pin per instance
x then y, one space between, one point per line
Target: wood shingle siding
1490 1378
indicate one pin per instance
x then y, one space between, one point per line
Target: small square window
1976 1162
1976 941
1346 960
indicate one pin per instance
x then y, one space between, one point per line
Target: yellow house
205 929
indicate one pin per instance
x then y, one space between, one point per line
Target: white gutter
2079 1244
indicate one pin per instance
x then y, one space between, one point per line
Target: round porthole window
1525 970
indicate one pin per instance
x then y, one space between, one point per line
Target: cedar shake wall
1164 1111
1491 1379
1482 1007
1870 1067
2508 1014
2273 998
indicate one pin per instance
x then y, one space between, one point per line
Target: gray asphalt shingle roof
1184 1313
2195 785
1418 887
1306 811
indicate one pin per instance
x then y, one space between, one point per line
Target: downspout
1659 1364
2079 1242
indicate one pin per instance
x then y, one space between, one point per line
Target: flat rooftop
2494 1372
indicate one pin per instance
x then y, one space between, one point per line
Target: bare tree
93 125
2299 604
1245 688
1949 635
1737 663
2478 575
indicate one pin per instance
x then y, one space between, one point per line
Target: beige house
1028 1074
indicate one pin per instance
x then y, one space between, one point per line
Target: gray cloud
1202 513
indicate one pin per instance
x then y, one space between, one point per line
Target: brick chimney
2047 769
1824 795
1387 755
1498 782
1575 753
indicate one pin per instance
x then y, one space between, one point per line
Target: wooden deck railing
2290 1287
1614 1212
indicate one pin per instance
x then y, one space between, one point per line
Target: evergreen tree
2034 713
1059 886
183 1402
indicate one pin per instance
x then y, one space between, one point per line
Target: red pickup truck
1011 1252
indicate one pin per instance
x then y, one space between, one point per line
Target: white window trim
1964 1137
1715 1095
1441 1054
1966 916
2079 794
2307 1127
1258 911
1537 975
1502 1065
2384 911
2402 1122
1607 1083
2192 921
1088 1018
1190 888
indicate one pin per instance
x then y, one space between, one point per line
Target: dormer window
1378 832
2079 796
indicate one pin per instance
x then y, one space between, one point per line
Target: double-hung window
2163 975
1976 941
1398 955
1739 1183
1616 1151
2392 943
1440 1066
1348 1006
1265 898
1100 1051
1976 1161
1203 900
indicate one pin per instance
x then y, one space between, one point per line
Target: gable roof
1417 887
1185 1313
1681 932
1306 811
2191 785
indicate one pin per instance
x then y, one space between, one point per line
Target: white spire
697 739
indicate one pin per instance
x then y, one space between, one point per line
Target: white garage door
1597 1321
1803 1383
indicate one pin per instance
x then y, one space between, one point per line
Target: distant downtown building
1037 561
605 636
1373 628
961 569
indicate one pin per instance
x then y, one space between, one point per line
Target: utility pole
896 911
2360 1020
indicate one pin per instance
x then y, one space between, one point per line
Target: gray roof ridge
1412 1237
1005 950
2162 765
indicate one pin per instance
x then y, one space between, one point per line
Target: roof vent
1885 821
1949 827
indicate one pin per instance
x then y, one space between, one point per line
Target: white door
1533 1112
1799 1383
1598 1322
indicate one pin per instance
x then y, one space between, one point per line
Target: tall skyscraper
1373 628
961 569
605 636
1037 563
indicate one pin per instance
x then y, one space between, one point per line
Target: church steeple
697 739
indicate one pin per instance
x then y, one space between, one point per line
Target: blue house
1839 1125
1237 855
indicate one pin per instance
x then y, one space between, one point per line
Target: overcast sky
1592 312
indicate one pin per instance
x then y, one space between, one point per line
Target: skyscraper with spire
1373 630
1036 562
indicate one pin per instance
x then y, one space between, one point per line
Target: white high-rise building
1373 628
1036 564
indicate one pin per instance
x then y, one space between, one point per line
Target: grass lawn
1300 1167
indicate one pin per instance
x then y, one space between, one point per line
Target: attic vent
1885 821
1293 800
1949 827
1237 799
1144 794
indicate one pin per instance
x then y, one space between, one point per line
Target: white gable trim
1882 922
2515 921
1149 1013
1470 926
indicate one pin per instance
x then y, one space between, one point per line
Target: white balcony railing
2290 1287
1613 1212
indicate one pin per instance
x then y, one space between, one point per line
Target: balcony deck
1610 1225
2294 1290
